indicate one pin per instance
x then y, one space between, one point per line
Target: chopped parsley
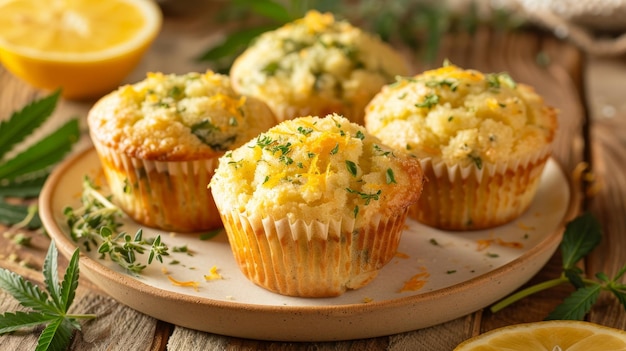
175 92
382 152
368 197
305 131
430 100
494 80
351 166
390 176
453 84
271 68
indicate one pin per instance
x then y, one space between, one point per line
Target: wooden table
558 71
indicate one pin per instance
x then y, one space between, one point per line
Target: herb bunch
95 224
581 236
49 307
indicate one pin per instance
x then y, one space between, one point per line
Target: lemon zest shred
213 274
190 283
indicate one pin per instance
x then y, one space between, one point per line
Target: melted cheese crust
178 117
315 168
316 65
462 117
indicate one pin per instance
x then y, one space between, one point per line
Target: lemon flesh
549 336
85 47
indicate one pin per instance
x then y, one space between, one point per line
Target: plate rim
91 266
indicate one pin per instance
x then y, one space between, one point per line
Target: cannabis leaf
48 307
24 174
581 236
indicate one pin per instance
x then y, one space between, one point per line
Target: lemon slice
85 47
549 336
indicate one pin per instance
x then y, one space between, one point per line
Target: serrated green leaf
620 295
581 236
55 337
24 188
234 43
574 276
28 294
23 122
577 305
45 153
70 281
51 278
11 214
12 321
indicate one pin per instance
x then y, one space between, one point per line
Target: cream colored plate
458 274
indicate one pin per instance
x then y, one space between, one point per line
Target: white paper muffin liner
168 195
468 198
317 259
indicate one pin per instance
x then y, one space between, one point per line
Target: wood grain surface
592 129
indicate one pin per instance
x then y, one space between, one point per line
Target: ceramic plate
436 276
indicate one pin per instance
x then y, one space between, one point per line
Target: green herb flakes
390 176
351 166
430 100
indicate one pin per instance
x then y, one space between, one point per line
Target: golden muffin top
316 65
173 117
462 117
313 168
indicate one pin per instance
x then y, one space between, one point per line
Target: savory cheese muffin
483 141
316 66
314 206
159 141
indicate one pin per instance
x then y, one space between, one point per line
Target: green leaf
50 276
10 322
267 8
12 214
56 336
577 305
45 153
234 43
25 292
581 236
620 295
70 281
25 121
574 275
24 188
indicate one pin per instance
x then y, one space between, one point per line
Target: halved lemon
85 47
549 336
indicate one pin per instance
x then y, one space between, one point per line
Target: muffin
314 206
316 66
482 140
159 141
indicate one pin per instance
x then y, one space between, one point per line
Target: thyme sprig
581 236
96 223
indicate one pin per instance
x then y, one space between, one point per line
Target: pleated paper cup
316 259
468 198
171 196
